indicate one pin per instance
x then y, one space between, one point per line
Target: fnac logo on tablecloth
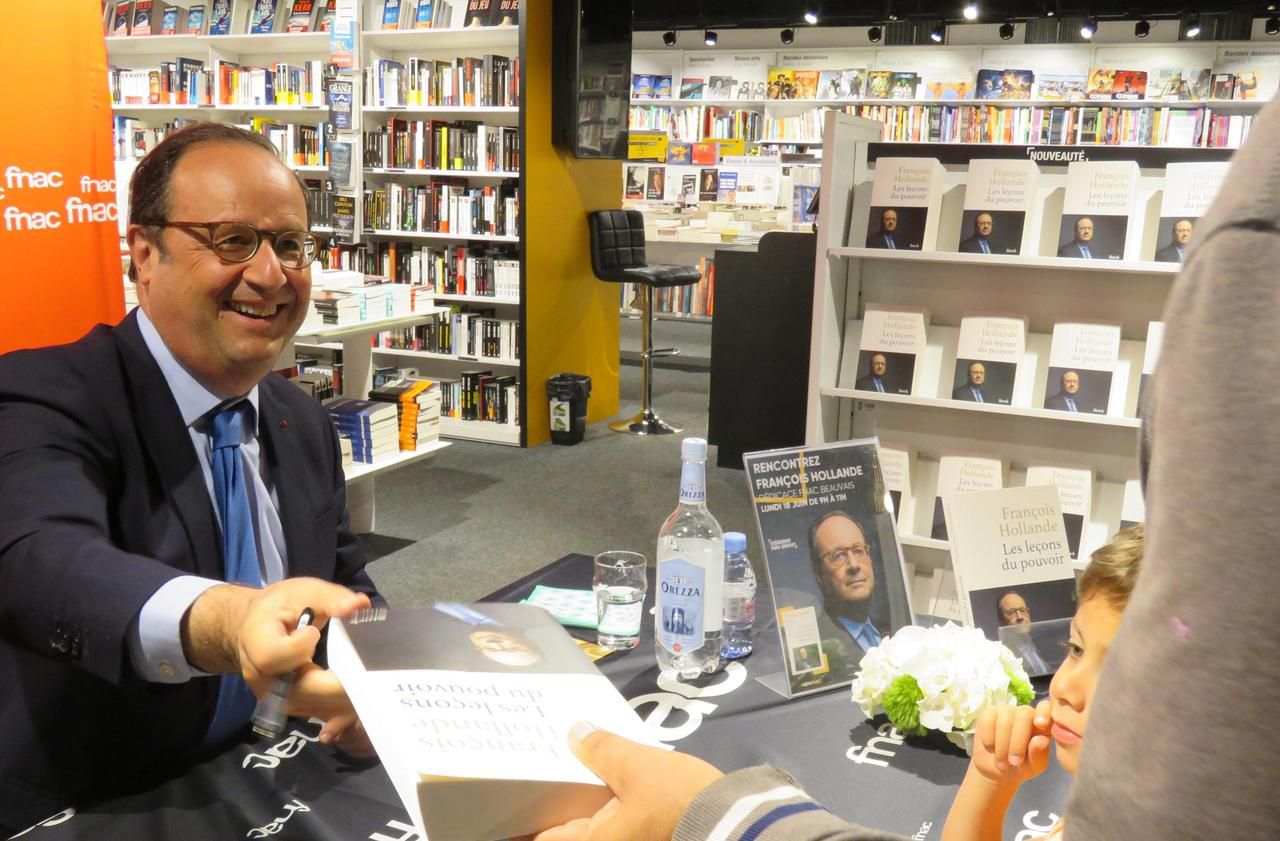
287 748
684 697
888 735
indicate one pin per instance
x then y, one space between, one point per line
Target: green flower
900 703
1021 690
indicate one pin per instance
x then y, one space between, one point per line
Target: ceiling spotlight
1273 25
1193 26
669 37
1049 8
811 15
1142 28
710 37
875 33
971 10
787 35
938 33
1006 30
891 11
1089 27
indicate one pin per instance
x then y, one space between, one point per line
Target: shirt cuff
155 638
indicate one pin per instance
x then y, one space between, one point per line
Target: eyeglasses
1015 611
237 242
843 554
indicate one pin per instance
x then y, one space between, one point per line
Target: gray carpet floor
476 516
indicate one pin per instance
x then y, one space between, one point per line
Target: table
295 788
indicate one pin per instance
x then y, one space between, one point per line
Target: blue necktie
879 385
888 241
977 395
1071 405
986 249
239 556
869 637
1084 252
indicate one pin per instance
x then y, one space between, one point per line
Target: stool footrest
660 352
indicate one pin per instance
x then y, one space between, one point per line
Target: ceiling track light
1273 25
891 11
811 15
1142 28
1006 30
1089 27
787 36
875 33
970 10
669 37
1049 8
1193 26
710 37
939 32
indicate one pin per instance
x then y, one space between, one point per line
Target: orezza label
693 482
681 598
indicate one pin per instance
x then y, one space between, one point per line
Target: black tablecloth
296 788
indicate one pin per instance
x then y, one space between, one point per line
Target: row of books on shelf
156 17
1250 76
1005 209
1080 369
698 122
712 222
455 270
460 331
400 416
920 484
463 145
437 14
697 299
748 183
490 81
184 81
443 206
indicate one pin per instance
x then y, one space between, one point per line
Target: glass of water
620 584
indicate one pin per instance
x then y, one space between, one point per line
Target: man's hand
651 789
233 629
347 734
1011 744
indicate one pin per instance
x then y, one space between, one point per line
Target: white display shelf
434 235
800 104
322 229
499 113
276 42
987 408
447 357
123 45
308 169
359 470
338 331
475 299
477 174
1021 264
492 433
453 39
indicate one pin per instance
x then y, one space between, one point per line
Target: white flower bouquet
939 678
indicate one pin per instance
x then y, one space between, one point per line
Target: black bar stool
617 256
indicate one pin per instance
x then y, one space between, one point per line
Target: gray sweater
1178 744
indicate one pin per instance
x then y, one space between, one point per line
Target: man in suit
972 390
1012 610
1079 247
884 238
1175 251
154 479
874 380
840 558
978 243
1068 398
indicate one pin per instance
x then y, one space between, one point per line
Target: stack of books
370 425
418 404
336 308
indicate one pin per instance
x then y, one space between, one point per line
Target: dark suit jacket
867 383
844 653
1059 402
877 240
1168 254
971 246
102 501
1072 249
963 393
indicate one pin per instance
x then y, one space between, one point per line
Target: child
1012 743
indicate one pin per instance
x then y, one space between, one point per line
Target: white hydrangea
958 669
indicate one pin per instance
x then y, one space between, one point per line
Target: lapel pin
284 422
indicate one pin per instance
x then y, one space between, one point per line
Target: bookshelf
1044 289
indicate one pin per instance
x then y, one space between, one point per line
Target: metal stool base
645 423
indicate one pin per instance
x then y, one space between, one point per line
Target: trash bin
568 395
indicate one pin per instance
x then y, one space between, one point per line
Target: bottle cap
735 542
693 448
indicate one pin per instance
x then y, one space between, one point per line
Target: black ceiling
754 14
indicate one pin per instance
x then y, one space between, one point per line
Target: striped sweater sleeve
764 804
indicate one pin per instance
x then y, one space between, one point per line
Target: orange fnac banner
59 239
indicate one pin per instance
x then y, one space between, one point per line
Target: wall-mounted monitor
591 77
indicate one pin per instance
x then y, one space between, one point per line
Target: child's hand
1011 744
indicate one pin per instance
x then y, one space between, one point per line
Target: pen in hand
269 717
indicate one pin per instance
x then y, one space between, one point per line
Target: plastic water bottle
690 576
739 597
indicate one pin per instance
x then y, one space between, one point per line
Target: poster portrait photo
1092 236
991 232
886 372
898 228
1077 390
984 381
1173 238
